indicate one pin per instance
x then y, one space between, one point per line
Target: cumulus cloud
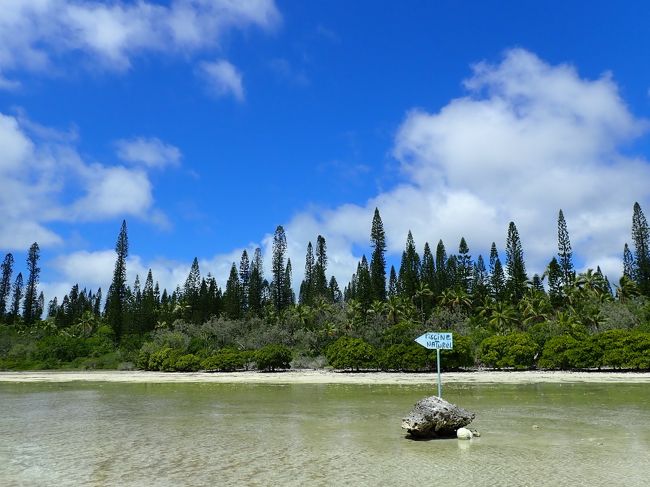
44 180
527 139
150 152
222 79
35 34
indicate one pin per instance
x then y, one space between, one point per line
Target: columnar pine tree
555 282
192 283
256 283
641 239
378 259
442 280
564 251
148 310
244 279
232 296
320 269
17 297
278 287
628 262
497 275
334 290
480 281
116 300
464 261
307 286
5 283
364 291
31 293
515 265
409 272
287 291
428 268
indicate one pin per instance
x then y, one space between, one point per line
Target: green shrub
515 350
164 359
226 360
623 349
459 357
61 348
187 363
554 355
350 353
273 357
411 357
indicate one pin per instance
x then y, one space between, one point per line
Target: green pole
439 381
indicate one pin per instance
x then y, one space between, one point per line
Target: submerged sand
326 377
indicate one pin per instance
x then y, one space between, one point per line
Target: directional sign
436 340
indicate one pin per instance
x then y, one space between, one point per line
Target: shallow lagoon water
99 434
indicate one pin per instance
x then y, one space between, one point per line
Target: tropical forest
500 316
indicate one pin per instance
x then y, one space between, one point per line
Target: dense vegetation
500 317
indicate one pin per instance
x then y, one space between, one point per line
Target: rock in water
464 434
433 417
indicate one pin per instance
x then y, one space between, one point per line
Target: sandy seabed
326 377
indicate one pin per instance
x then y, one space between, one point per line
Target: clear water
97 434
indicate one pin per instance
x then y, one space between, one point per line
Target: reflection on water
210 434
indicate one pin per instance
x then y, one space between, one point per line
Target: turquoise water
98 434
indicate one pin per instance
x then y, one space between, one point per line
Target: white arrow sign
436 340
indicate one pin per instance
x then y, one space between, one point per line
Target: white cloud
528 139
35 34
150 152
113 192
222 79
44 180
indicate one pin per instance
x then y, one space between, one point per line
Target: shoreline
325 377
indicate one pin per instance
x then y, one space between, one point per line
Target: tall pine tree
244 279
307 286
5 283
641 239
515 265
320 269
116 300
18 289
564 251
409 272
378 259
278 286
256 282
31 293
232 296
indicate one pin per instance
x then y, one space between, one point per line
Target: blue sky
205 124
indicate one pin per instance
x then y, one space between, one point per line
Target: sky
205 124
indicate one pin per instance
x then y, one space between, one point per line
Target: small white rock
463 434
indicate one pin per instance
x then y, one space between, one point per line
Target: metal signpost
439 341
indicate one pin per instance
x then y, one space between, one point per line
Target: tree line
476 297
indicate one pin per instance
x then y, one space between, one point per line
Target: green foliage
403 357
187 363
62 348
460 357
227 360
516 350
350 353
273 357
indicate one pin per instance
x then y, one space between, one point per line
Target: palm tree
421 293
503 318
455 299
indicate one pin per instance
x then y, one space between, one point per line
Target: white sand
326 377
